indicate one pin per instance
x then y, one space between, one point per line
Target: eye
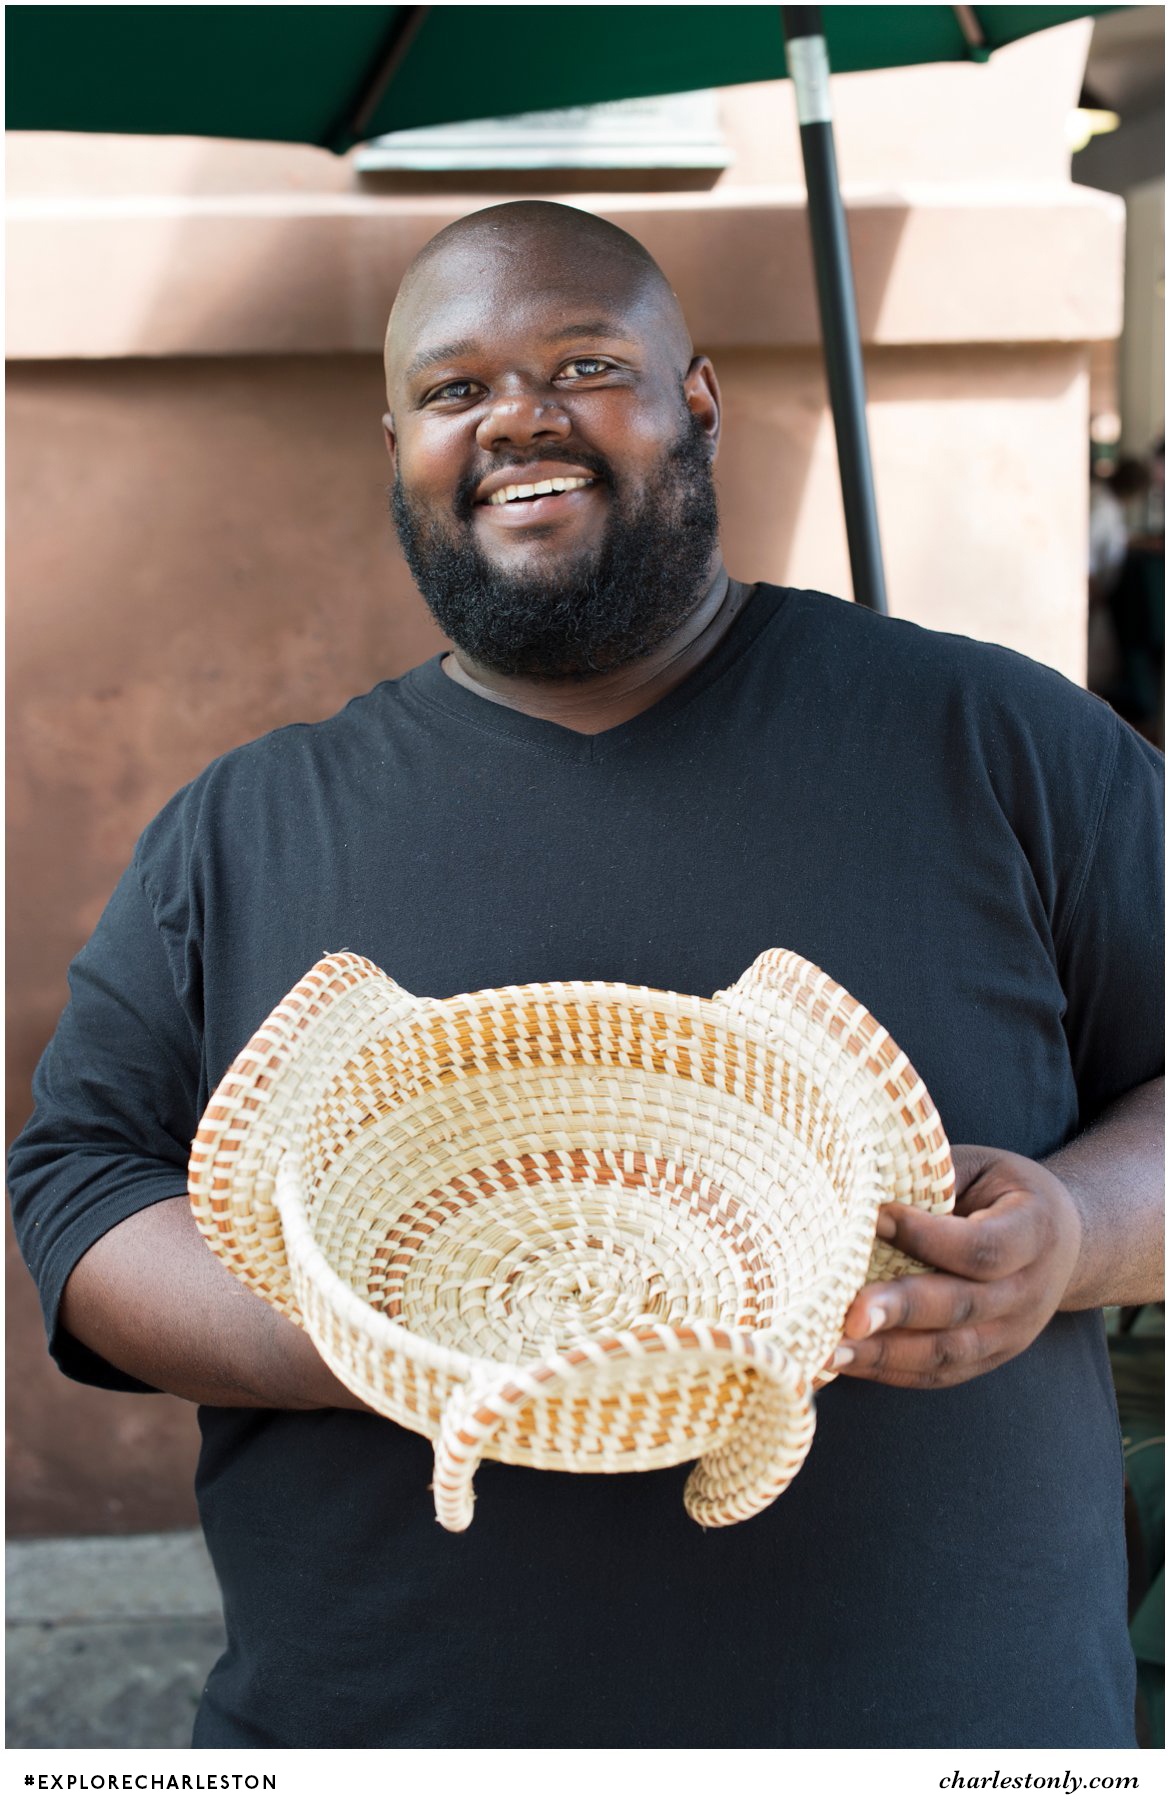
458 390
586 366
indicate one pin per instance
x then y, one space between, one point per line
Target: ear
391 440
701 388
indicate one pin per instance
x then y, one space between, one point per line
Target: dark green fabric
1147 1631
1138 1361
295 72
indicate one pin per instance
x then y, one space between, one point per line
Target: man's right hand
151 1297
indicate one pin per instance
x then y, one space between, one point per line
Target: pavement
109 1640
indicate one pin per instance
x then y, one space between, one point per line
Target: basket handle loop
781 981
729 1484
242 1112
473 1416
332 980
771 978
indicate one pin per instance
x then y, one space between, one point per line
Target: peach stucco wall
198 538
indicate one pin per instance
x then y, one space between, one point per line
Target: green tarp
298 72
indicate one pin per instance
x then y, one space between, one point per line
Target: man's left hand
1003 1263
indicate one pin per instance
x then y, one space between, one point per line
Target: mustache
464 502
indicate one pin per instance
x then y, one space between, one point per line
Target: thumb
971 1164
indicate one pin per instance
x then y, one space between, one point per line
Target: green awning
302 73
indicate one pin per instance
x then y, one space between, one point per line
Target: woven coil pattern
589 1227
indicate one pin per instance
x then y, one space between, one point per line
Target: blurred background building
199 542
1125 91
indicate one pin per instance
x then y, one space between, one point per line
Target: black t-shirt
968 843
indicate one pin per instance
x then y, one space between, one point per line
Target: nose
521 416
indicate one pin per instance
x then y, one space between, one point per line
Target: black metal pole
808 65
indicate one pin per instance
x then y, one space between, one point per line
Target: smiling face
552 440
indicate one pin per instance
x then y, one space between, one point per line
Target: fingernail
842 1357
877 1318
886 1225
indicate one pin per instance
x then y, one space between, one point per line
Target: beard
597 610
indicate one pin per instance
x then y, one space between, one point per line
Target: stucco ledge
253 274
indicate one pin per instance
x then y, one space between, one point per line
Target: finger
924 1361
935 1301
992 1243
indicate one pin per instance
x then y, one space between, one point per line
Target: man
632 767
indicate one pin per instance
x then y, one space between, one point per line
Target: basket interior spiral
466 1182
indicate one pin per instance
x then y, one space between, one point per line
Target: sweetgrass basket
583 1226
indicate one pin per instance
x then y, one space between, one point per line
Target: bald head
535 247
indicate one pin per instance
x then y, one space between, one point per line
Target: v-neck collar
429 684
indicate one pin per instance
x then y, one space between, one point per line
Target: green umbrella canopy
333 75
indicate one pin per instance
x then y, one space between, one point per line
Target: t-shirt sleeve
116 1106
1111 941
